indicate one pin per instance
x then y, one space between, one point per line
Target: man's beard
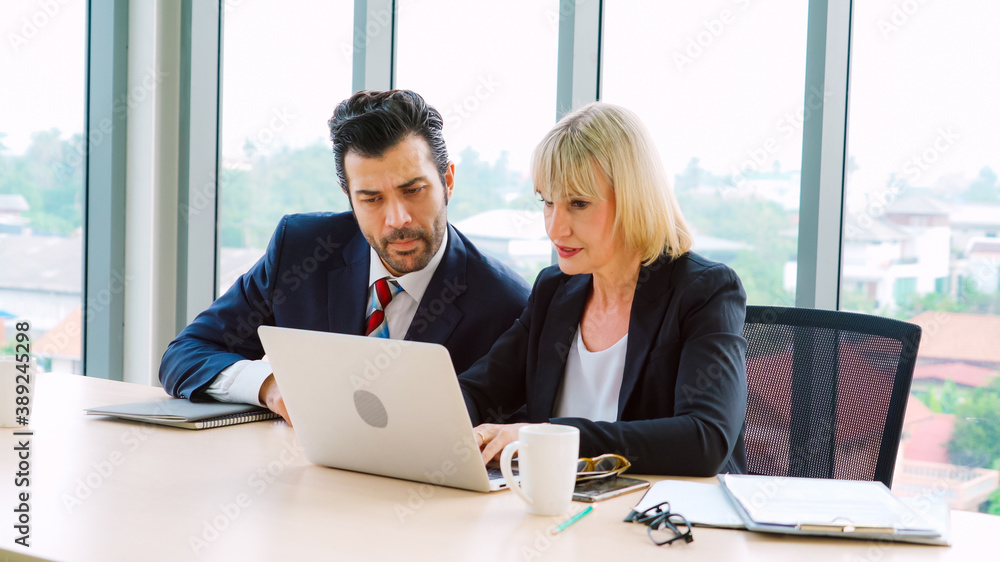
418 258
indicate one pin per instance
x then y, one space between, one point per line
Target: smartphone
604 488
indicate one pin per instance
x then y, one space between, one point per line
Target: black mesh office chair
826 392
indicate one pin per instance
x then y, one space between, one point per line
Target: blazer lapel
438 312
347 288
652 295
561 324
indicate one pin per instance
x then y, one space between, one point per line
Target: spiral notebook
180 412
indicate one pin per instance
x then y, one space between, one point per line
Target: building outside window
42 156
921 199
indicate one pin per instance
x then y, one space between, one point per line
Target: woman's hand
494 437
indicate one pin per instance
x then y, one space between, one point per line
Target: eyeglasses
604 466
664 527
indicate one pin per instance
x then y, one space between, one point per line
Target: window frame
193 272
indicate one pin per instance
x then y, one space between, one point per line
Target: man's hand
270 396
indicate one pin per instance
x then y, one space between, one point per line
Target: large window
720 86
921 219
285 67
42 153
492 74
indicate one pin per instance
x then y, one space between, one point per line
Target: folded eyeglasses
604 466
663 526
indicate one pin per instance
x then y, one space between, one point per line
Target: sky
716 80
42 68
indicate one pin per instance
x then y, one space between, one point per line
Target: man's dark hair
370 122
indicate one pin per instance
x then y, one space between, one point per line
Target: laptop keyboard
494 472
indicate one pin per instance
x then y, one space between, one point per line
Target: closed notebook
180 412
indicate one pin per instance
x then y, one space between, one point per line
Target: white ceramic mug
547 456
11 377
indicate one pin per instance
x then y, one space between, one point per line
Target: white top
592 381
241 381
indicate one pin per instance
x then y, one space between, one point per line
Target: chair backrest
826 392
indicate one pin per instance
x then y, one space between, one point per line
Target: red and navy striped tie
385 289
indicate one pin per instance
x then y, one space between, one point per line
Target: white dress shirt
592 381
241 381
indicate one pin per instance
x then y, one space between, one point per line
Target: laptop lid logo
370 409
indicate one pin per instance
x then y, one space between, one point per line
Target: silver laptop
380 406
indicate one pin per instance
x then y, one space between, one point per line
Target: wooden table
113 490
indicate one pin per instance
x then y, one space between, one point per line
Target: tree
481 186
286 181
984 188
976 440
969 300
691 177
858 301
758 224
993 502
49 175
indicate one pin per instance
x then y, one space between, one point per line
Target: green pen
572 520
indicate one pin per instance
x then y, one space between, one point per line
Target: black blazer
683 396
314 276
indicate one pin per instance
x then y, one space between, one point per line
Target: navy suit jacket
682 403
314 276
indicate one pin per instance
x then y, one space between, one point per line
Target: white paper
701 504
817 501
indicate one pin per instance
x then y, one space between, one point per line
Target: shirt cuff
240 382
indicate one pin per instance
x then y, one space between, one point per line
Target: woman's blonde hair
610 140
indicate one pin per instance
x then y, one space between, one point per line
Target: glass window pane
42 153
492 74
285 67
720 86
922 215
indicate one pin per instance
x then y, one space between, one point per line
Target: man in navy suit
393 267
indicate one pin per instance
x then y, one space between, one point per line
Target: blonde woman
633 338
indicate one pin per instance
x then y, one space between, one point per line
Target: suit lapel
347 288
652 295
438 312
561 325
